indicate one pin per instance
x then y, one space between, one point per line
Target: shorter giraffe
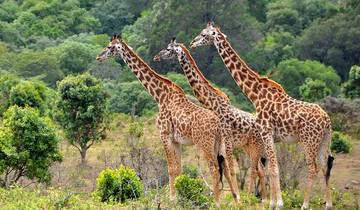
238 125
179 121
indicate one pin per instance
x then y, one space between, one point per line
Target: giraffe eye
213 33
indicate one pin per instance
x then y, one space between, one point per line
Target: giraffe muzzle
156 58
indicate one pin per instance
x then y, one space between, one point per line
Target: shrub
191 192
191 171
118 185
341 143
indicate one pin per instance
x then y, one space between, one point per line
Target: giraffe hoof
279 205
271 205
304 207
328 207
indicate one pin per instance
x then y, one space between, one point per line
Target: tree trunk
83 155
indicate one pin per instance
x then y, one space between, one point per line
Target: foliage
30 93
28 146
313 90
180 80
351 88
191 192
74 57
341 143
337 42
191 171
7 81
118 185
130 97
82 111
114 15
39 64
292 73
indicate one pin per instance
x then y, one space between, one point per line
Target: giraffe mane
266 80
168 82
216 90
273 84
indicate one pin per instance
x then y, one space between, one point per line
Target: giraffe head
170 52
206 37
111 50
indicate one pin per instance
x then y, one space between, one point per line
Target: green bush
191 171
191 192
341 143
118 185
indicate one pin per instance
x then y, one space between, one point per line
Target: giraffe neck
248 80
209 96
159 87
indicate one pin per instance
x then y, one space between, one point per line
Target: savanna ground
72 184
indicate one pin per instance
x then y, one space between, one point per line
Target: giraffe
237 124
179 121
278 116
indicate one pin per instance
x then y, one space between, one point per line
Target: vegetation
341 143
82 111
191 192
28 146
56 100
118 185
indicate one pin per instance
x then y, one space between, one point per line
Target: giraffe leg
312 171
230 172
275 191
173 157
261 176
253 169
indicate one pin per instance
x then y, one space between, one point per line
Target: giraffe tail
330 158
330 161
221 161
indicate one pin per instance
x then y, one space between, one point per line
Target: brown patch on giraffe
153 73
202 77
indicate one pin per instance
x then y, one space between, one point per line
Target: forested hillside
48 67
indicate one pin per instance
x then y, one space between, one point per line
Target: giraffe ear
173 40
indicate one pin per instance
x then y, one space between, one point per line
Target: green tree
130 97
351 88
8 10
337 42
28 146
274 48
7 81
29 93
313 90
292 73
114 15
40 64
82 111
75 57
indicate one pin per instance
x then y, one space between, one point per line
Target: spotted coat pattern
180 121
278 116
236 124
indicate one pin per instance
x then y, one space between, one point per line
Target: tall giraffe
179 121
278 116
237 124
